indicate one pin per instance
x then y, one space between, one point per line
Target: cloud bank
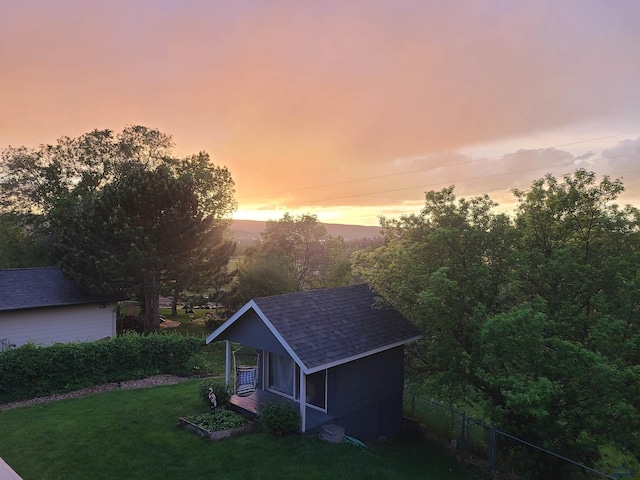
292 95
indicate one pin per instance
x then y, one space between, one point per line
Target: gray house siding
365 396
252 331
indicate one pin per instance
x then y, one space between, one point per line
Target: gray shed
334 353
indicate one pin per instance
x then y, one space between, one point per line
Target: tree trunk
174 306
152 303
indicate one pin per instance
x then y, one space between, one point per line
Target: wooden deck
252 403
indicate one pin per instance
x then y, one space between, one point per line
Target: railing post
227 362
492 450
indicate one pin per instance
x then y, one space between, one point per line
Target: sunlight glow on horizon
345 110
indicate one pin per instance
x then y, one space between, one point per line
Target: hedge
30 371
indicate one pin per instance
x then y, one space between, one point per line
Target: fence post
492 450
463 435
468 439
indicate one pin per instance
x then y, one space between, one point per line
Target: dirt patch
155 381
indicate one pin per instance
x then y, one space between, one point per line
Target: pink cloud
318 93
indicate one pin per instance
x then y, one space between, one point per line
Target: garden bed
217 425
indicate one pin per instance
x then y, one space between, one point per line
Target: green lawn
191 323
124 434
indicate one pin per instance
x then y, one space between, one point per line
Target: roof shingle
329 326
23 288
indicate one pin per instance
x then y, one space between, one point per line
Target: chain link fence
500 454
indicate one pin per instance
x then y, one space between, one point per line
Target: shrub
200 364
219 388
31 371
279 419
211 323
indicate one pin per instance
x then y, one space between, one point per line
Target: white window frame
326 389
268 375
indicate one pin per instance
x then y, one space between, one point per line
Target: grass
134 434
191 323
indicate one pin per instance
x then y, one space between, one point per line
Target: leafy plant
217 420
219 388
199 364
31 371
279 419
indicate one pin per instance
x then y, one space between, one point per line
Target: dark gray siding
250 330
365 396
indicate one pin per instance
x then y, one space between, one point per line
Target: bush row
30 371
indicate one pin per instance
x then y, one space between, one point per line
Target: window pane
281 373
316 384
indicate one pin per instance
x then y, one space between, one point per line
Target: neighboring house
332 352
43 307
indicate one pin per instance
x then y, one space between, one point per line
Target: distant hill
244 230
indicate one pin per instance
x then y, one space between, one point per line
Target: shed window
281 374
317 389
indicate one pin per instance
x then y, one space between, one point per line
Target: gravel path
154 381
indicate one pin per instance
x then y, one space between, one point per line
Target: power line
389 175
423 186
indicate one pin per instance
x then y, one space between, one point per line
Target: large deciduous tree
293 254
576 271
445 269
301 240
122 212
536 319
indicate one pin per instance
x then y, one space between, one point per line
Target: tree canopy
294 253
123 214
534 318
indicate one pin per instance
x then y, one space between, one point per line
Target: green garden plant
279 419
217 420
219 388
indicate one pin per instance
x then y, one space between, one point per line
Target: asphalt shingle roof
330 326
24 288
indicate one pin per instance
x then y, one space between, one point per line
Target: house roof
24 288
329 327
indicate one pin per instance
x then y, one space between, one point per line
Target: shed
43 307
336 353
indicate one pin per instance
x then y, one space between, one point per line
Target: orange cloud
292 95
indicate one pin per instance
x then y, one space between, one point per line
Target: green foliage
200 363
263 273
534 318
294 254
222 392
279 418
122 213
217 420
31 371
19 246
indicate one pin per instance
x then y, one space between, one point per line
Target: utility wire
423 186
389 175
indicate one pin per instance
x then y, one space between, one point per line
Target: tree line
532 318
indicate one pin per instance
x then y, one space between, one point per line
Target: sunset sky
347 109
